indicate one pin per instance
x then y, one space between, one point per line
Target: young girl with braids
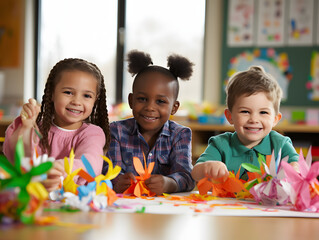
150 133
73 114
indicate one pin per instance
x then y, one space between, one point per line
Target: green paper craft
18 154
251 168
41 169
20 179
8 167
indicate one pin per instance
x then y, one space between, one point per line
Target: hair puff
137 61
180 66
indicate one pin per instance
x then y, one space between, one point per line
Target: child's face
153 101
74 97
253 118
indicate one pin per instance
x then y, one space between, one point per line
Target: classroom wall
19 81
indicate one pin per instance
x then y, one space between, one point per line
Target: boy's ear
277 119
228 116
175 107
130 100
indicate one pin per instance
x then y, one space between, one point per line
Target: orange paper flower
139 188
230 188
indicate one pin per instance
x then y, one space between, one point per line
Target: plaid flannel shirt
171 151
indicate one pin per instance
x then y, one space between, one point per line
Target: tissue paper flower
20 197
91 195
257 174
230 188
68 183
305 183
104 185
139 188
273 191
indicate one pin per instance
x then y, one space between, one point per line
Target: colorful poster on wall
313 84
271 16
301 18
240 23
10 31
275 64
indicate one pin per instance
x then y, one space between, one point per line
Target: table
131 225
152 226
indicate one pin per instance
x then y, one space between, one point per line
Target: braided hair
178 67
99 115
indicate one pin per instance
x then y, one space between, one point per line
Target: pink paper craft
305 183
275 190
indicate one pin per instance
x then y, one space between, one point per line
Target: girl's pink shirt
88 140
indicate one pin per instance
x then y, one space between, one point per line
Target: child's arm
179 161
211 169
114 153
22 127
90 143
160 184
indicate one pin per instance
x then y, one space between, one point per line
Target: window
164 27
78 29
88 30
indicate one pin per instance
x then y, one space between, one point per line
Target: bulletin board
296 61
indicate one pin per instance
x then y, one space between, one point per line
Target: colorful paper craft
268 185
305 183
104 184
68 183
139 188
272 190
95 195
230 188
20 197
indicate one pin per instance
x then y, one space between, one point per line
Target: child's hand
29 113
160 184
54 176
212 169
216 170
124 182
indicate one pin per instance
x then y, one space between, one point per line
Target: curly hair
99 115
251 81
178 67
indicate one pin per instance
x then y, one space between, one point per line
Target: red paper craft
139 188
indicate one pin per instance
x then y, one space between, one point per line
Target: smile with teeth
74 111
253 129
150 118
